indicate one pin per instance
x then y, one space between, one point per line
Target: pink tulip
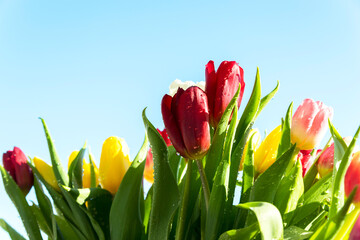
186 119
221 87
15 162
352 177
149 164
310 123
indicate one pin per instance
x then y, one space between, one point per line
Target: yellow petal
46 172
72 158
266 154
114 162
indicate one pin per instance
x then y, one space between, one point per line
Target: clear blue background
90 67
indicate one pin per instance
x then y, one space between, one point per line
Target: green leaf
265 100
81 218
66 229
266 185
46 210
219 201
43 225
268 217
59 172
313 198
289 192
339 170
166 197
14 235
250 111
147 209
242 233
76 169
247 183
174 160
98 203
214 155
296 233
125 217
92 171
18 199
285 142
331 227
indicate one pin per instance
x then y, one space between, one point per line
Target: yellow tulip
86 179
266 154
255 143
114 162
46 172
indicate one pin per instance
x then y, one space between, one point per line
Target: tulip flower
255 143
307 159
86 179
15 163
309 124
149 164
352 177
114 162
266 154
46 172
186 119
326 160
221 87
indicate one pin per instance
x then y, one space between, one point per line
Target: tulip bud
352 177
326 160
114 162
86 179
266 154
307 159
149 164
309 124
46 172
15 162
255 142
221 87
186 119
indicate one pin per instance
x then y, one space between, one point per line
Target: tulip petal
228 76
193 119
8 164
210 87
171 124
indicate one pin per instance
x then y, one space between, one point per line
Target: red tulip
310 123
326 160
306 159
352 177
15 162
149 164
221 87
186 119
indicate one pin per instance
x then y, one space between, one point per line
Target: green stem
204 183
184 204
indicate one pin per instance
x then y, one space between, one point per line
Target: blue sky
89 67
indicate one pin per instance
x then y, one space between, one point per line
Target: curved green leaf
265 100
17 197
126 221
166 197
243 233
296 233
268 217
285 142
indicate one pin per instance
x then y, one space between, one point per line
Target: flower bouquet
289 187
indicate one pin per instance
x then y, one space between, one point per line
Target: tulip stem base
184 204
204 183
